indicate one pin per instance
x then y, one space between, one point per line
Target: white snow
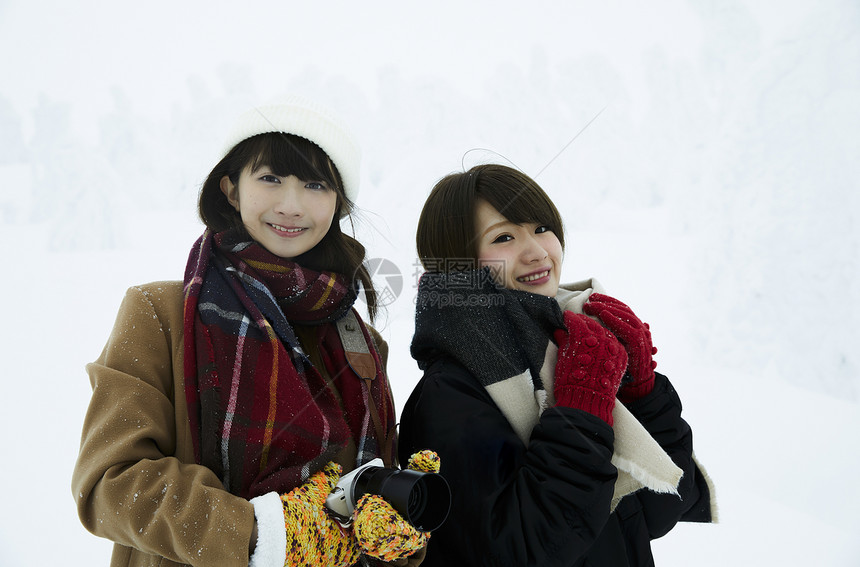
716 192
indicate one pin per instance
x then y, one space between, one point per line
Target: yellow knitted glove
314 539
380 531
425 461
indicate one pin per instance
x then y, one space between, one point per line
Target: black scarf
496 333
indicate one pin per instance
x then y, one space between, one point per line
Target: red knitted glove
636 338
589 368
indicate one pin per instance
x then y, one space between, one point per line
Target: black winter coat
546 504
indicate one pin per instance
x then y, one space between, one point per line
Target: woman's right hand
590 365
314 539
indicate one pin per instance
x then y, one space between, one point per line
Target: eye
503 238
542 228
270 178
316 185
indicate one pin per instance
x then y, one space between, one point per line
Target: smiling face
524 256
288 216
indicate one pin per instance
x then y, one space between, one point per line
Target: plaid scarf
262 417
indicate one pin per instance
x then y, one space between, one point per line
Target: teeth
282 229
533 277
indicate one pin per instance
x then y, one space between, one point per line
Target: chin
547 289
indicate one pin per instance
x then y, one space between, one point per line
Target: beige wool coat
136 482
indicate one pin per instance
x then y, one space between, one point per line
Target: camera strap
362 362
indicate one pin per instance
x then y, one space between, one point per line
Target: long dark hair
288 154
446 227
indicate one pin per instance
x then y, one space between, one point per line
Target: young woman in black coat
561 444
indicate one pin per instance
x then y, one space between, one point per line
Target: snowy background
716 192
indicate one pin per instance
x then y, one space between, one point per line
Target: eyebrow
495 225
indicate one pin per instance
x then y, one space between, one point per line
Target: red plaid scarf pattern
262 417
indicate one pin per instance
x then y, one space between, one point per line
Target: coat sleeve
660 414
544 504
128 484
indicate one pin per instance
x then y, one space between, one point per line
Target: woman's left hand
385 535
636 338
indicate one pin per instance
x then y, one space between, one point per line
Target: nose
533 251
289 200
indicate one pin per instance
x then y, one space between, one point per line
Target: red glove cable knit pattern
636 338
590 365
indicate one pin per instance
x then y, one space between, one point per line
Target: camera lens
417 501
423 499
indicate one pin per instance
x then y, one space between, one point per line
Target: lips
534 276
287 230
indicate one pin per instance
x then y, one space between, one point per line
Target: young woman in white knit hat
561 443
226 405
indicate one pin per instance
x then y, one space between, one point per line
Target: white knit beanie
294 114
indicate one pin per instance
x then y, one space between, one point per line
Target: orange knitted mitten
314 539
380 531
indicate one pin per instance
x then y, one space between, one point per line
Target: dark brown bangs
288 154
446 227
517 197
522 203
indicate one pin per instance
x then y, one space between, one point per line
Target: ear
230 191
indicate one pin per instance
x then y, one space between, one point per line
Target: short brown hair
446 227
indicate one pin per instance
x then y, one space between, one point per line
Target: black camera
423 499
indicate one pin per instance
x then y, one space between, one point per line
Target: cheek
485 258
248 208
553 247
499 264
559 252
248 199
331 206
324 208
